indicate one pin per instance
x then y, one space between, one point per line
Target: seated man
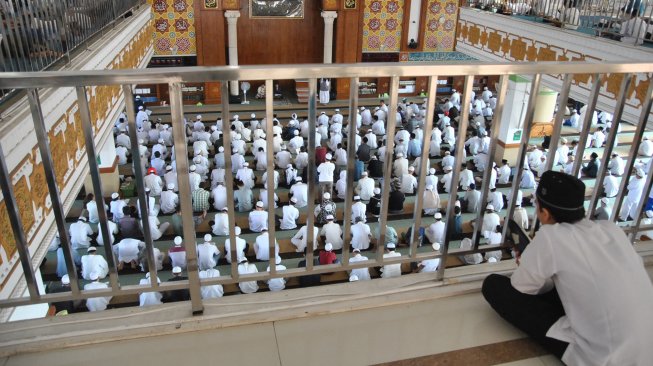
569 292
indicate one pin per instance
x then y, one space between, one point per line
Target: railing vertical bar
19 234
632 154
637 220
351 153
7 45
609 145
463 122
23 18
51 180
229 177
21 54
557 124
487 174
424 165
310 174
30 18
528 124
143 200
269 185
85 115
185 197
587 123
391 125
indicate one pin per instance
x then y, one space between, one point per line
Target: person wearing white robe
365 187
94 263
430 265
278 283
490 221
332 233
431 200
610 185
244 268
113 231
363 274
466 178
391 270
475 258
598 138
527 179
96 303
361 235
616 165
211 291
127 251
646 147
300 239
635 187
208 253
80 233
149 298
504 173
435 232
241 245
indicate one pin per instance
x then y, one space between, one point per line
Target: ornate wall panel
382 25
504 42
174 27
440 25
68 148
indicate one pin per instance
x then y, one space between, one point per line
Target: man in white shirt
300 239
212 291
646 147
258 219
616 165
610 185
96 303
299 191
169 200
365 187
635 188
177 254
94 263
358 209
598 138
332 232
435 232
409 181
504 172
446 178
262 246
290 215
80 234
207 253
325 172
527 179
170 177
113 230
157 229
152 297
400 165
244 268
391 270
360 235
430 265
220 225
194 178
570 280
278 283
363 274
241 247
127 252
490 221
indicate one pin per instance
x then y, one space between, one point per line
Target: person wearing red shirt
327 256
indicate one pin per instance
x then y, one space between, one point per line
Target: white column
329 18
232 30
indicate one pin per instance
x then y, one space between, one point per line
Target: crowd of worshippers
290 158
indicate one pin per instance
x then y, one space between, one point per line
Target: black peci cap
561 191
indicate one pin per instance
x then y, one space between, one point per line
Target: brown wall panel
281 41
211 38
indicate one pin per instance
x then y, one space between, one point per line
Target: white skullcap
364 174
400 155
176 269
485 88
161 141
326 195
298 179
234 150
94 276
337 110
411 168
296 133
214 128
236 116
91 249
437 216
140 107
490 207
492 260
197 160
192 168
288 166
357 198
362 108
253 115
199 116
259 204
329 217
65 280
237 230
294 200
141 141
245 164
377 190
221 149
115 195
329 156
168 167
432 171
649 213
435 246
604 200
147 275
328 247
138 97
171 186
640 172
207 237
82 218
353 278
177 241
391 245
198 151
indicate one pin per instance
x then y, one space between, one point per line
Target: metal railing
627 20
175 77
35 34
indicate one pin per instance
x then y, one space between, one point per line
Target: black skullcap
561 191
594 155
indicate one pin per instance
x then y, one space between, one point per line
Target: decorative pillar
232 20
329 18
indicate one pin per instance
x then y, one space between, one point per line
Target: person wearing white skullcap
211 291
296 142
207 253
149 298
80 234
194 178
435 232
241 246
358 209
96 303
325 172
431 200
116 206
400 165
635 188
490 221
245 268
494 239
363 274
278 283
361 235
445 181
262 246
646 147
169 200
94 263
365 187
299 190
258 219
332 233
290 215
141 118
430 265
177 253
325 208
520 215
409 181
391 270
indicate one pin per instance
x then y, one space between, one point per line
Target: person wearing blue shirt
414 147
